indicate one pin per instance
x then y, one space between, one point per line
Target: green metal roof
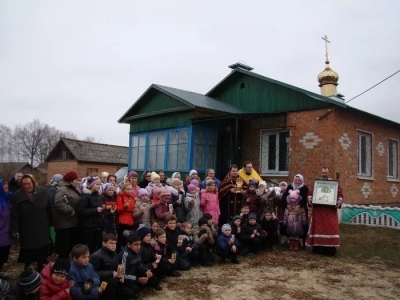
198 100
308 93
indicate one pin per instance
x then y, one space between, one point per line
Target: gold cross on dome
325 38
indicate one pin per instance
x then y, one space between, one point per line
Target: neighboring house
9 169
41 173
85 158
282 129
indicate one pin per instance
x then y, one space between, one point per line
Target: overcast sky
79 65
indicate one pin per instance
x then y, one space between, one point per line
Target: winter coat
89 216
210 204
249 229
203 184
14 185
202 238
269 226
133 264
148 255
104 262
179 209
66 201
49 290
6 238
151 186
32 217
194 212
172 240
78 274
52 190
110 218
144 217
223 244
254 201
161 211
125 214
269 202
16 293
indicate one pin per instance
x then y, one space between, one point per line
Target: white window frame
369 155
394 160
264 153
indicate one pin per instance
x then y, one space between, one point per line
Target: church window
393 154
364 154
275 152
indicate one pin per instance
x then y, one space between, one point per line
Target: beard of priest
230 203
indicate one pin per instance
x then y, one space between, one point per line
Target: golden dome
328 76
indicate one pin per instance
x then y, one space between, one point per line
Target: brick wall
61 167
331 141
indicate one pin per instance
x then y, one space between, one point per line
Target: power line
373 86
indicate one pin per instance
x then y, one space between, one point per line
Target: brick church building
282 129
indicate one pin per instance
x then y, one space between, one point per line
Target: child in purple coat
6 239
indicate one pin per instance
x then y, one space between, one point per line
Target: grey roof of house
14 167
96 152
198 100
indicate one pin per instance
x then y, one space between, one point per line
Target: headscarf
297 187
4 197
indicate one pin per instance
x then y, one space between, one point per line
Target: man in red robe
323 233
230 196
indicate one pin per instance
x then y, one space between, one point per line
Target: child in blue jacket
227 245
86 281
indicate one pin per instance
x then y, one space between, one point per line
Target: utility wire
373 86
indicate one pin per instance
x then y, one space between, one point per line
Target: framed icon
325 192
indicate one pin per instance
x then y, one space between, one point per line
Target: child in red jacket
125 208
55 285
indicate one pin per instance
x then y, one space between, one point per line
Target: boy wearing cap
27 286
227 245
54 285
105 264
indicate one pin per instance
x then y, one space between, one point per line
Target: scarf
297 187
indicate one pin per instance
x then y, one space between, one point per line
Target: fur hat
194 181
132 174
202 221
192 172
226 227
143 231
252 216
252 183
154 175
29 280
191 187
210 182
56 178
61 266
92 181
237 217
143 192
283 184
175 181
70 176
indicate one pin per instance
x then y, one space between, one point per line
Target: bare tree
28 138
50 140
92 139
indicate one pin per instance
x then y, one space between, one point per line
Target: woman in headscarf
298 184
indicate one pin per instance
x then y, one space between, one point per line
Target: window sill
393 179
365 178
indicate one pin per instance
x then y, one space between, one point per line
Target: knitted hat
61 266
132 174
210 182
107 186
56 178
192 172
283 184
156 191
175 181
194 181
202 221
252 183
226 227
262 183
92 181
165 191
237 217
252 216
4 288
70 176
174 174
294 194
143 192
143 231
29 280
154 175
191 187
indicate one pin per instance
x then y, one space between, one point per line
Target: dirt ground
367 266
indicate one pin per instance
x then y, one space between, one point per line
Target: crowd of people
112 239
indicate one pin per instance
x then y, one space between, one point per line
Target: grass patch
363 242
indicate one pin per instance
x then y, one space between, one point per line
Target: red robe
324 225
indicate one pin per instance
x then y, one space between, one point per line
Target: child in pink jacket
209 200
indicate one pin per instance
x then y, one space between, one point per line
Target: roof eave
155 113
